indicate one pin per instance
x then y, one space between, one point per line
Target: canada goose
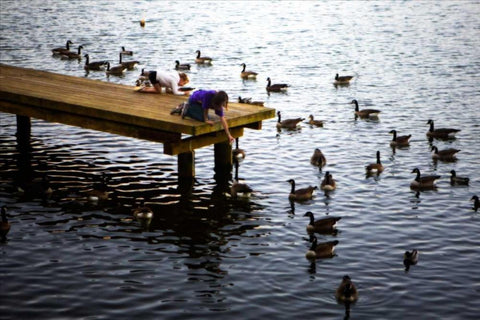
116 70
287 123
318 159
375 167
399 141
183 66
277 87
318 123
202 60
456 180
238 153
346 291
342 79
57 51
300 194
142 212
36 188
476 203
365 113
441 133
240 188
126 52
423 182
94 65
410 258
321 250
445 155
130 65
72 55
324 225
247 74
99 191
5 225
328 183
249 101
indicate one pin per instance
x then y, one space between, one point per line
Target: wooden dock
118 109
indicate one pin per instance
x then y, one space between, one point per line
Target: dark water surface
205 255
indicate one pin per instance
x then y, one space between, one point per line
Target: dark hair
219 99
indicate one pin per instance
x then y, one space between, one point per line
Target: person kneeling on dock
171 81
202 100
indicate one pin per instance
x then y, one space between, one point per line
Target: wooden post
24 130
223 160
186 165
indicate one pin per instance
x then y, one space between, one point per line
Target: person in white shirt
171 81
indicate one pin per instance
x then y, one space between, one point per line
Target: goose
445 155
142 212
36 188
476 203
249 101
328 183
277 87
238 153
318 123
72 55
399 141
247 74
5 225
94 65
130 65
321 250
456 180
99 191
126 52
324 225
423 182
440 133
342 79
287 123
300 194
318 159
410 258
116 70
57 51
240 188
346 291
365 113
375 167
202 60
179 66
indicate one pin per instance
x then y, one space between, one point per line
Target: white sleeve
174 86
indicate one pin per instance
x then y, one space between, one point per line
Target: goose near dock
399 141
457 180
328 183
94 65
313 122
375 167
318 158
244 74
300 194
287 123
182 66
276 87
346 291
365 113
202 60
324 225
444 155
60 50
72 55
130 65
440 133
321 250
423 182
410 258
116 70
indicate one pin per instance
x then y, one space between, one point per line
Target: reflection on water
206 254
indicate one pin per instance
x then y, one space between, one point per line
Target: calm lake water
205 255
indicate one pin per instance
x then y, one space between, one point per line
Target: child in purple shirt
202 100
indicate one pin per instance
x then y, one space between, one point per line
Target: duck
410 258
365 113
318 159
423 182
181 66
445 155
116 70
328 183
440 133
277 87
238 153
300 194
249 101
476 203
313 122
321 250
4 225
202 60
126 52
342 79
94 65
130 65
324 225
346 291
247 74
457 180
72 55
287 123
57 51
399 141
375 167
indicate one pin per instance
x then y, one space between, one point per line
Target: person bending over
171 81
